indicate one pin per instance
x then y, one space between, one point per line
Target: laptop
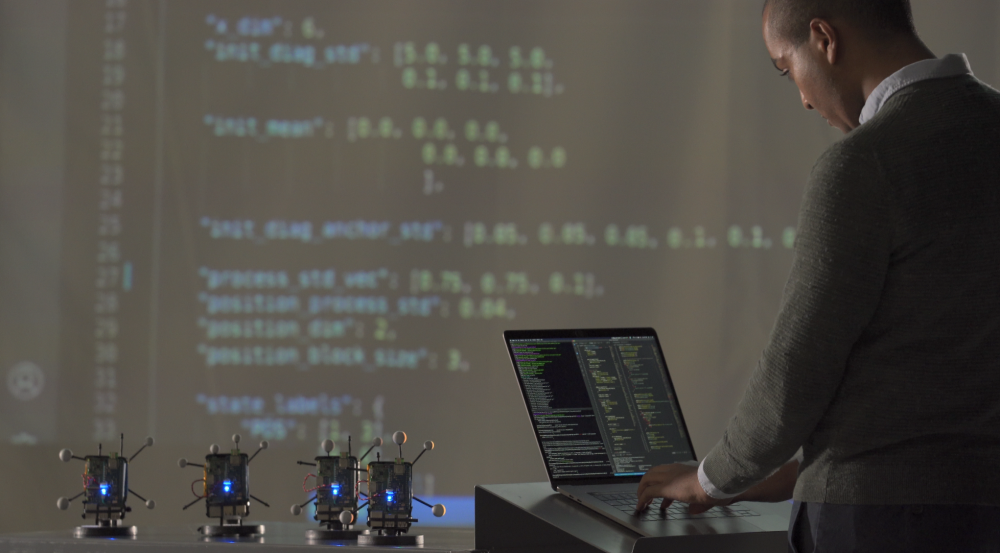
604 411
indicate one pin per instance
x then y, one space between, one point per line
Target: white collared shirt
952 65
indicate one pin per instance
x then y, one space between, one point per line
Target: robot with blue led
390 499
105 491
225 487
336 492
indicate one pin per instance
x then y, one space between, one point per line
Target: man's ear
824 40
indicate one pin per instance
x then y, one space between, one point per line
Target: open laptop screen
601 401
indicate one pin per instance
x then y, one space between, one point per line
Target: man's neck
890 58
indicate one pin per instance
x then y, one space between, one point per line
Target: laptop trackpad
688 527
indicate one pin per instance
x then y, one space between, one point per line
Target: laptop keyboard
625 502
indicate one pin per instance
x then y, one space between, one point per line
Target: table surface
278 537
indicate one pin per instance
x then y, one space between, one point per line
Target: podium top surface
278 537
539 500
547 521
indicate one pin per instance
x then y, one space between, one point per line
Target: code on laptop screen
601 406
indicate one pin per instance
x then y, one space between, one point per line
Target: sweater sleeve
840 262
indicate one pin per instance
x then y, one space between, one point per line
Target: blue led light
226 486
389 496
104 489
335 489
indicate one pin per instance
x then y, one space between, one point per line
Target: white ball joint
236 439
149 441
428 445
346 517
438 510
328 445
182 462
65 455
62 503
399 438
213 449
264 444
296 510
150 504
377 442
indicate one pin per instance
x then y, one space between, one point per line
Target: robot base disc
95 531
229 531
322 534
399 539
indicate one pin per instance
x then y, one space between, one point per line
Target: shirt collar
952 65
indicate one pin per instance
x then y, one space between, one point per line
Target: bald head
878 19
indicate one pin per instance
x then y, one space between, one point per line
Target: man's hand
680 483
675 483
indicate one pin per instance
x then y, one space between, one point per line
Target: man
884 362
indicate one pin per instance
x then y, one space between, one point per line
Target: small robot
390 499
337 492
105 491
225 487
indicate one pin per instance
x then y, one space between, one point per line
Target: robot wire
366 453
259 449
418 456
136 454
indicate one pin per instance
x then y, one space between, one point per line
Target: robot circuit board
227 485
336 484
105 483
390 495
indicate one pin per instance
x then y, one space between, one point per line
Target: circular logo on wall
25 380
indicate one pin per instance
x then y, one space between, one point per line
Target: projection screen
300 220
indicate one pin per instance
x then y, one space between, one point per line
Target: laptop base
532 518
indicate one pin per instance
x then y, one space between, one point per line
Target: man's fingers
649 495
643 484
648 479
647 482
671 482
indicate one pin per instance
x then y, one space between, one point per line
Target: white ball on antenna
346 517
438 510
399 438
62 503
296 510
236 439
328 445
377 441
213 449
149 441
182 462
264 444
428 445
150 504
65 455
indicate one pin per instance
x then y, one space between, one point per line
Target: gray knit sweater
884 362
